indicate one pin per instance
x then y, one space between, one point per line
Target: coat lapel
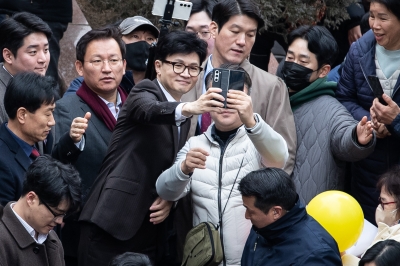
100 126
174 128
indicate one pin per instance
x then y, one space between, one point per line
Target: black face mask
137 55
296 77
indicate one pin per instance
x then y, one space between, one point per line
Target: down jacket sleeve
343 144
351 78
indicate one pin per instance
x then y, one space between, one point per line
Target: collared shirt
41 237
24 146
208 69
179 117
114 109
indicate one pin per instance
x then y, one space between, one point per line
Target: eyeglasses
99 63
56 215
179 68
205 35
384 203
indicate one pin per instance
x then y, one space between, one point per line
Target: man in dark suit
85 120
123 211
50 190
24 45
30 114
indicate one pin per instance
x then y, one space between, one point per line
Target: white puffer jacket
211 186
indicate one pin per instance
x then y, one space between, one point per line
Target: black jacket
294 239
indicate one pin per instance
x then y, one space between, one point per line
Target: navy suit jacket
13 165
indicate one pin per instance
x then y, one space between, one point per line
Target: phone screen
236 80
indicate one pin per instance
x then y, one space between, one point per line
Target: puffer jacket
210 187
325 140
355 93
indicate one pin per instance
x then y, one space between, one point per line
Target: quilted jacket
356 95
325 141
211 187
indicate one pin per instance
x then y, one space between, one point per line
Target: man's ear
157 66
79 67
21 115
277 212
213 29
31 197
323 72
8 56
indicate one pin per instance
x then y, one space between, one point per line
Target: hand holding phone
227 79
376 88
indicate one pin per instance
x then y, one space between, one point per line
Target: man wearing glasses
123 211
199 21
85 120
50 191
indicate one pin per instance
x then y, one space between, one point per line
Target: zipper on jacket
255 244
219 198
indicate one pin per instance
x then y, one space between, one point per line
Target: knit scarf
100 109
318 88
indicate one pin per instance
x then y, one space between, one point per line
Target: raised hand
78 127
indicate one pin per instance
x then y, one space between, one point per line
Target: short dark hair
180 42
108 32
14 29
29 90
392 5
271 187
383 253
247 79
320 42
130 259
53 182
391 181
203 5
226 9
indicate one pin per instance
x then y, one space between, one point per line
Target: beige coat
270 100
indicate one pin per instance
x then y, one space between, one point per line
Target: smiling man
24 44
234 27
123 207
50 191
212 164
30 114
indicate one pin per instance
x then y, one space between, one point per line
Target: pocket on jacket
120 184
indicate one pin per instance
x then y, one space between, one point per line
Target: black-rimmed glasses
179 68
56 215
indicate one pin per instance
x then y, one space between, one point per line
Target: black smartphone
376 88
227 79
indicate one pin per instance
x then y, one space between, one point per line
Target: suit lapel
101 128
14 147
174 128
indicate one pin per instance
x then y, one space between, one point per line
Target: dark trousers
97 247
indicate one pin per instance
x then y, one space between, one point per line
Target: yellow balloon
340 215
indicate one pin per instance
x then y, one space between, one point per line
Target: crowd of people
119 169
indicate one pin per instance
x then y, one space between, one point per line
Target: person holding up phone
212 164
376 53
327 135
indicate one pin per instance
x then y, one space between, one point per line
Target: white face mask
386 216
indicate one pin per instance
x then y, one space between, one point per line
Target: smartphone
376 88
182 9
227 79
